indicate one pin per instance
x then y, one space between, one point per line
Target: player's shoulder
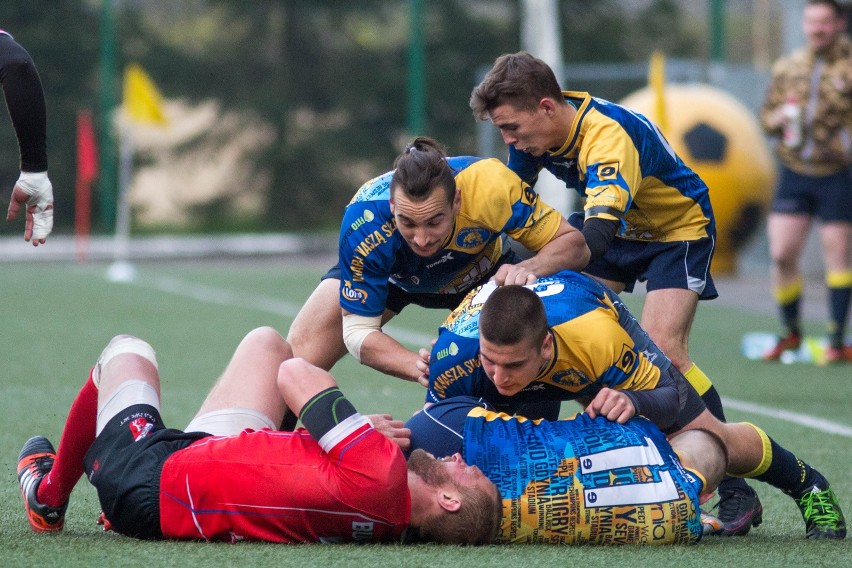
376 189
567 295
478 174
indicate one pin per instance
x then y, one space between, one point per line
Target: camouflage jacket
825 145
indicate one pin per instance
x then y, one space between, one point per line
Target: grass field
58 317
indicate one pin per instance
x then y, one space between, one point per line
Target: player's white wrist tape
37 185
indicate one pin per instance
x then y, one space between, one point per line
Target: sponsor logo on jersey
365 217
534 386
562 166
351 294
376 188
446 258
451 349
373 240
455 373
472 237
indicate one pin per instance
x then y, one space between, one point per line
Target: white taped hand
34 192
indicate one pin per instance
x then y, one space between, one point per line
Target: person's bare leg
667 316
246 394
787 237
316 334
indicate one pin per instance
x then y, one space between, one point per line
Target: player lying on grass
583 480
569 337
231 477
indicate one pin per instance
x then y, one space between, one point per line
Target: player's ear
547 346
449 500
547 105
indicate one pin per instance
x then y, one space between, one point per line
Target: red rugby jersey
285 487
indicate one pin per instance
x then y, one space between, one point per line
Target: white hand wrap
38 187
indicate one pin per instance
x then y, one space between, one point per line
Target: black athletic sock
790 316
838 299
787 472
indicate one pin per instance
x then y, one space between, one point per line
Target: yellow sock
787 294
699 381
766 458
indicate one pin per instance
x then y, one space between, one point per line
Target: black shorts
399 298
677 264
828 198
124 465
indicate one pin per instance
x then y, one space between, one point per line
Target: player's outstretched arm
24 97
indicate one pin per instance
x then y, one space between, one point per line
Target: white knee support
129 393
230 421
123 344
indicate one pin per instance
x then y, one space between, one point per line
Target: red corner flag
87 152
87 171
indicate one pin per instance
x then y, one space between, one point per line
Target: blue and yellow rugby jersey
585 480
597 343
627 172
494 202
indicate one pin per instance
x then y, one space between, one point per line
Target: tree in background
328 77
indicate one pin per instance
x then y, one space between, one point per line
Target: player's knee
121 345
269 340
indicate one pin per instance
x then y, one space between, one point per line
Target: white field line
218 296
787 416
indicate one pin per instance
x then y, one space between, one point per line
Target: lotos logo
140 428
353 294
472 237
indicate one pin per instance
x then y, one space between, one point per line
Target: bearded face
428 468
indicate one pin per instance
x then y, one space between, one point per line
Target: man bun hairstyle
421 168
